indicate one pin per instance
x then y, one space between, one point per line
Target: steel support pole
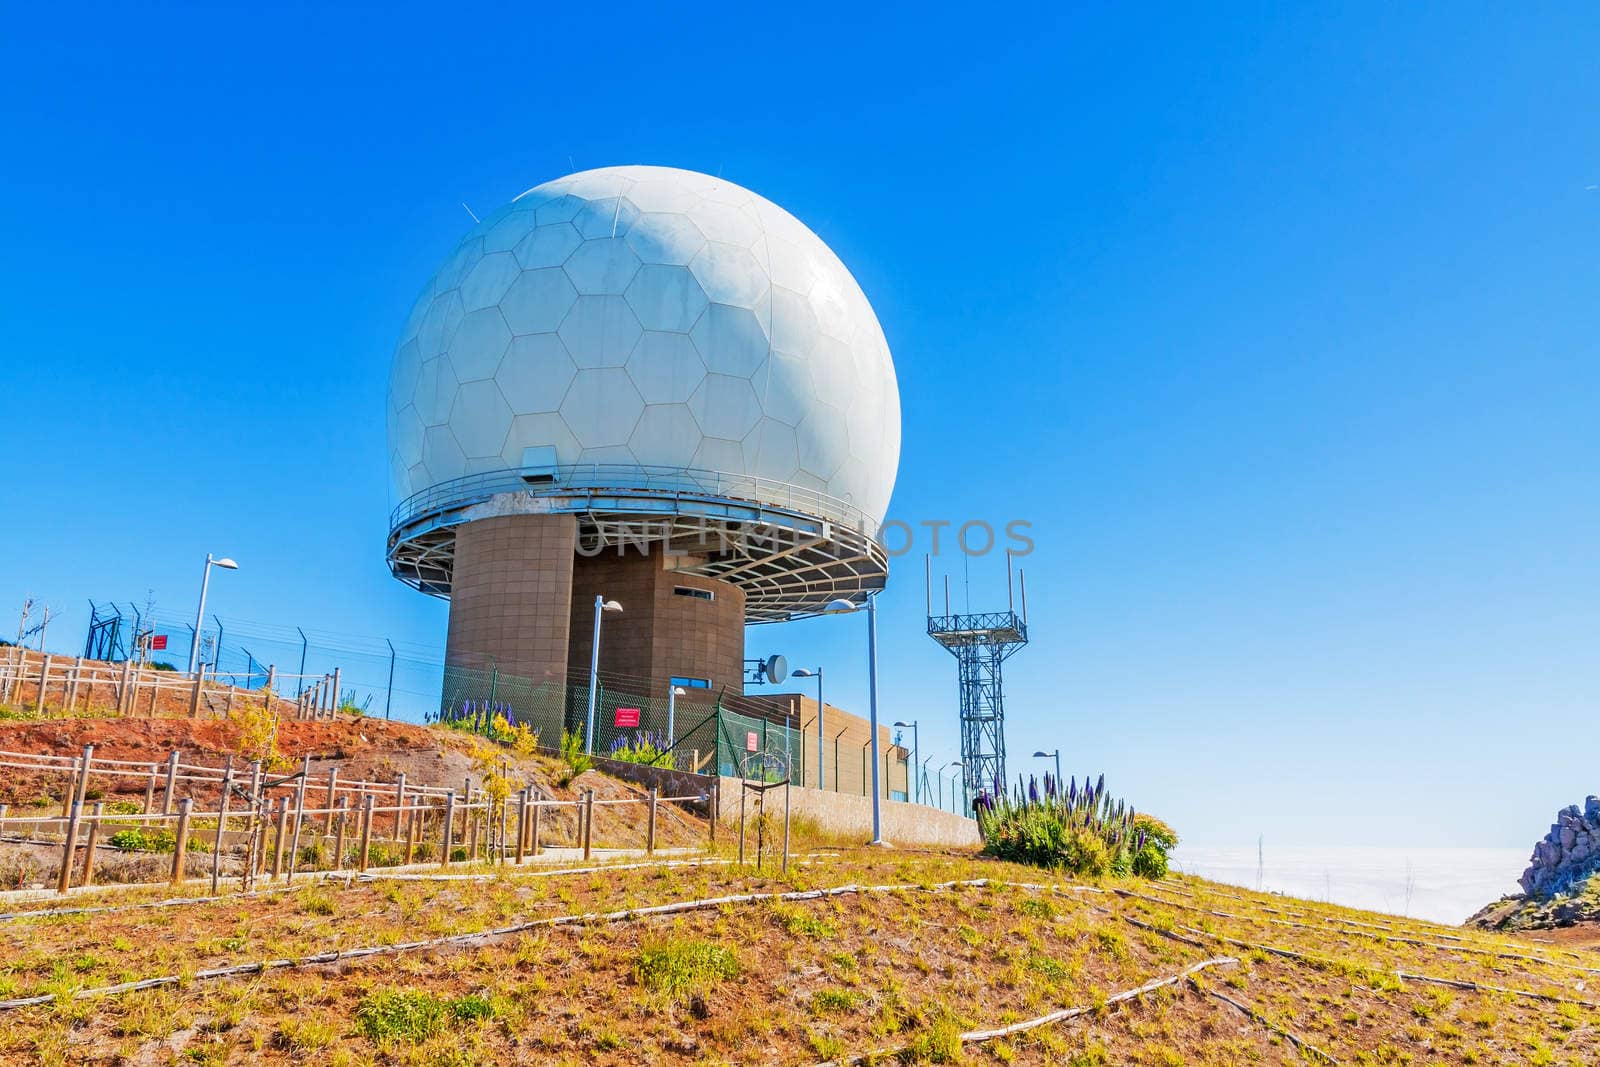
594 675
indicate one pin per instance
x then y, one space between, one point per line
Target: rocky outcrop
1568 854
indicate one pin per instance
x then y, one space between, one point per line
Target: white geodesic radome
653 318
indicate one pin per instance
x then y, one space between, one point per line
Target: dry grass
786 981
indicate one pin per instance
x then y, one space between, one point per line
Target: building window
698 594
692 683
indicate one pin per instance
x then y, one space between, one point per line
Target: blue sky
1278 326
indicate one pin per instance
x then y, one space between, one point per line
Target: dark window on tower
698 594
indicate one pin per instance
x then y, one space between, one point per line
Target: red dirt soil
362 749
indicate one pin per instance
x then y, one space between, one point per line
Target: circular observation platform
791 550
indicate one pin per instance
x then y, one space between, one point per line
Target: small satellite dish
776 668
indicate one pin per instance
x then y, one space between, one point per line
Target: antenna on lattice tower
981 642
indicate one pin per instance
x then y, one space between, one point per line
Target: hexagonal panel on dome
794 324
600 331
729 275
715 454
536 431
479 345
408 431
663 195
548 246
783 382
509 232
602 407
488 280
725 406
771 451
436 391
479 419
403 375
560 209
666 436
666 298
822 447
439 324
665 367
535 373
731 340
538 300
604 265
441 454
665 238
611 216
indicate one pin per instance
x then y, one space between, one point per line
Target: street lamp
916 752
845 607
939 777
1057 756
673 693
601 604
199 616
816 672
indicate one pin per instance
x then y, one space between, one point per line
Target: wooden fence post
281 825
414 817
150 790
93 843
338 837
172 782
180 850
333 702
449 825
64 876
44 680
299 810
366 833
713 800
399 801
533 832
522 824
333 785
83 773
650 824
124 695
72 684
222 825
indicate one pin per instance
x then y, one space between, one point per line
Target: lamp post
816 672
601 604
836 737
200 615
922 777
845 607
946 767
916 753
673 693
1057 756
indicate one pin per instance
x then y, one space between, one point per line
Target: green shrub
572 753
1083 832
124 807
681 967
416 1015
146 840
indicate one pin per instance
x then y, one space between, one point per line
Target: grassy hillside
854 953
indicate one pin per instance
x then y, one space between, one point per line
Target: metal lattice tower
981 643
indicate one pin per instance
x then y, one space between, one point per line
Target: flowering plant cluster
1081 830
